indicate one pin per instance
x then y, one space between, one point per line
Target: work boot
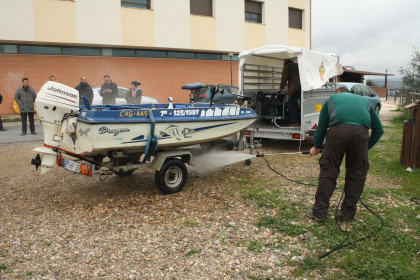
3 129
310 214
23 133
34 133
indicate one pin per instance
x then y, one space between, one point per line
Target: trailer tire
171 178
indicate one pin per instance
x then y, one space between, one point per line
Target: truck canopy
315 68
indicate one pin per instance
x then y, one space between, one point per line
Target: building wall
17 23
52 17
203 32
138 27
167 25
159 78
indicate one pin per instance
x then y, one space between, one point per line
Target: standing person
344 120
109 91
1 122
134 93
52 78
25 97
85 90
290 76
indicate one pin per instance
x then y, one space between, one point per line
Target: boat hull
93 139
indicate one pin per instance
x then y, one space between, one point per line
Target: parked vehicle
364 90
201 93
97 98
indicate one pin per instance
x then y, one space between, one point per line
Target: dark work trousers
24 117
352 141
293 106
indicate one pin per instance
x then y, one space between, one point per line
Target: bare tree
411 74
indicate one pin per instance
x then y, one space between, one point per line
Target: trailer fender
161 157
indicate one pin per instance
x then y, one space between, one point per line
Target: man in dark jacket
85 90
290 76
344 122
25 97
109 91
1 122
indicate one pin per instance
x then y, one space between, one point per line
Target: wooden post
410 146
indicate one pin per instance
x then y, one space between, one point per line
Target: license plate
72 166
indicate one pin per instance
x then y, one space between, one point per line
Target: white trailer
259 78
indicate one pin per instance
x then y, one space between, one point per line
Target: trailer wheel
172 176
122 173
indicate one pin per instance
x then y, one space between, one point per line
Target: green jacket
25 99
348 108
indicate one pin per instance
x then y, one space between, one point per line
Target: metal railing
402 98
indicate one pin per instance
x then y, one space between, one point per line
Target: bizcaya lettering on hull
63 92
115 131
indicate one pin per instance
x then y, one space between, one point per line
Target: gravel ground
64 226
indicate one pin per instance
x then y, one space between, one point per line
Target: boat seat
193 86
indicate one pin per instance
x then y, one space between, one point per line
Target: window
295 18
357 89
142 4
122 52
210 56
40 50
81 51
151 53
201 7
368 91
253 11
187 55
8 49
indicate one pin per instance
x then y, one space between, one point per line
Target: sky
370 35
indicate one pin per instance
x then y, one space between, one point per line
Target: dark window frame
39 49
151 53
201 8
295 18
76 51
133 4
115 52
253 11
124 52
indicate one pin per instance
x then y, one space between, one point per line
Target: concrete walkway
15 129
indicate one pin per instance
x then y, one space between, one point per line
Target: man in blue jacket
344 122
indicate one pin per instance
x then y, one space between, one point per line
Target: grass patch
192 252
251 245
391 253
12 120
192 223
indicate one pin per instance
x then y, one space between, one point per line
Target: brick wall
159 77
380 91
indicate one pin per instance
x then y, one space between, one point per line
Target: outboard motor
53 102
